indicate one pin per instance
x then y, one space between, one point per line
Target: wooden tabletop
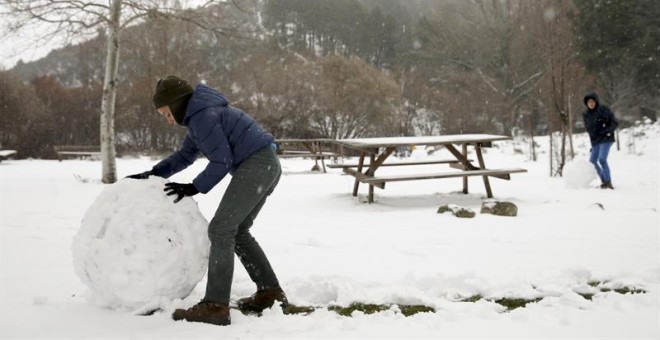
420 140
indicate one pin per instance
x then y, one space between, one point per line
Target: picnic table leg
460 157
372 162
465 179
359 169
311 148
482 166
320 150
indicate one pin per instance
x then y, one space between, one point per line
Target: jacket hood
593 96
203 97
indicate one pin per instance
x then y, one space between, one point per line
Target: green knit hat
169 90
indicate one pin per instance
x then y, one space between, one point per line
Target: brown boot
607 185
263 299
204 311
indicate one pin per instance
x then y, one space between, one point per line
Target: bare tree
79 19
564 75
356 100
305 96
482 50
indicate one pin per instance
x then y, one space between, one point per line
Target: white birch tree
76 20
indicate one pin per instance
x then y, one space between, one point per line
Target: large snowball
579 174
135 246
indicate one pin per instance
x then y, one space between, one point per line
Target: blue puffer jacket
599 122
224 134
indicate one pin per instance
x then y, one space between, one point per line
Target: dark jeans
229 230
599 153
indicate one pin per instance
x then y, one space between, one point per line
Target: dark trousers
229 230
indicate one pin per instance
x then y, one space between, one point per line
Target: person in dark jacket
234 143
600 124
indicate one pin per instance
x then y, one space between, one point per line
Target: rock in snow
499 208
135 247
457 211
579 174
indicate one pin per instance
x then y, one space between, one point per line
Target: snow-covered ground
329 248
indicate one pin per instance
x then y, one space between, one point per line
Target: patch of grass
587 296
513 303
293 309
626 290
473 298
362 307
622 290
366 308
509 303
409 310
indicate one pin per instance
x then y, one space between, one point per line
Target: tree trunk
562 156
108 153
531 133
570 126
551 154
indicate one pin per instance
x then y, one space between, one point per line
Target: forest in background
353 68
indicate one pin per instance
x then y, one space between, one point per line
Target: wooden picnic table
377 150
306 148
6 154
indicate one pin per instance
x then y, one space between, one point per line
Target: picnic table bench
77 151
379 149
4 154
306 148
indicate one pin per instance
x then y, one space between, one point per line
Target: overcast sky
28 47
24 47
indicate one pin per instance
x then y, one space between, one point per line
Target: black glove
143 175
181 190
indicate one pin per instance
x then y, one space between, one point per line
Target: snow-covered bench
77 151
4 154
306 148
379 181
